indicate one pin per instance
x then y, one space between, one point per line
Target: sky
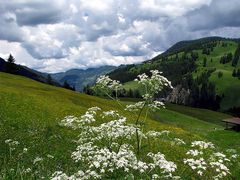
57 35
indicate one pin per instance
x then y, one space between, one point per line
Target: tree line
236 73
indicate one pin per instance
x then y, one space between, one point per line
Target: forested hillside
204 72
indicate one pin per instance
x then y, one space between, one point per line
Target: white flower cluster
114 130
179 141
12 144
135 107
218 160
106 161
155 105
75 122
198 165
108 151
69 121
105 150
102 163
203 159
155 134
37 160
233 153
111 113
105 83
153 84
159 161
194 152
202 144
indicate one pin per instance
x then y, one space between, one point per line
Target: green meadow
30 113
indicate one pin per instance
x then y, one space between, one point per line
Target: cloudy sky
56 35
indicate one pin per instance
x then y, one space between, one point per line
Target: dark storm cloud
34 12
41 52
36 16
220 13
9 29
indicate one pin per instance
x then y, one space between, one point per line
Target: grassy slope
227 85
203 114
30 112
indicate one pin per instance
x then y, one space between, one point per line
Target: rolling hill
30 112
189 62
29 73
80 78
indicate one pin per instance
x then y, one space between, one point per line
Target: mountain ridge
29 73
80 77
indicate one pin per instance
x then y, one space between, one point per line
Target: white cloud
20 54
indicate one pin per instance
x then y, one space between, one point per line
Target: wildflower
25 150
134 107
28 170
154 134
159 161
12 144
155 105
234 156
153 84
194 152
59 175
111 113
68 121
75 122
50 156
179 141
37 159
155 176
107 85
196 164
202 144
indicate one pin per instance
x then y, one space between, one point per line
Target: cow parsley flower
135 107
153 84
159 161
12 144
202 144
107 85
199 165
179 141
154 134
194 152
155 105
37 160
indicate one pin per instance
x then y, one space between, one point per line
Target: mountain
80 78
28 72
189 45
207 68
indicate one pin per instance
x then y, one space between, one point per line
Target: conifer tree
10 65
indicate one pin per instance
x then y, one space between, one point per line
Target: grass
30 112
203 114
133 85
227 85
